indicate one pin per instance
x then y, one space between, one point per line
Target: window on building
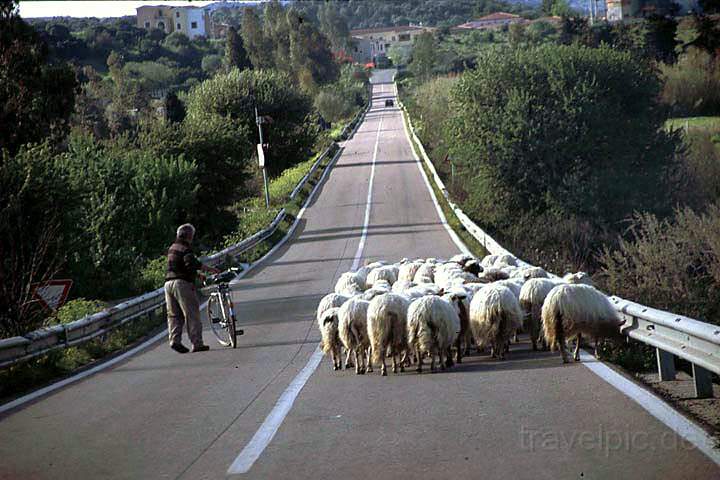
179 27
177 14
393 38
370 37
387 45
147 24
161 25
404 37
159 13
193 25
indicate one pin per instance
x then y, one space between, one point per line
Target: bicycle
220 309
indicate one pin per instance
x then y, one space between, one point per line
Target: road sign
52 294
261 155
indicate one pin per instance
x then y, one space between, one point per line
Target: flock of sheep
422 308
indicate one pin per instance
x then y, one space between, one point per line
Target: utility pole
261 157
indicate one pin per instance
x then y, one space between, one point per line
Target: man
181 298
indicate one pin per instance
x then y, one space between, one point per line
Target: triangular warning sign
52 294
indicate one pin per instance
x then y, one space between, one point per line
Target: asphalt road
163 415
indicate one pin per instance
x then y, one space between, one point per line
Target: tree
568 129
235 54
258 47
174 108
332 106
37 97
334 26
424 55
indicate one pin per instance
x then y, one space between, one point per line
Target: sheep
494 314
515 285
352 328
329 301
458 298
505 260
461 258
425 274
573 310
472 266
422 290
492 274
432 326
532 296
385 272
328 323
401 285
488 261
578 278
527 273
386 325
349 284
407 271
363 272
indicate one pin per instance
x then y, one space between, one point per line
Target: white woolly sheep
573 310
492 274
329 301
432 325
530 272
505 260
349 284
401 285
459 299
407 271
579 278
532 296
425 274
386 272
363 272
352 327
387 331
328 323
494 315
488 261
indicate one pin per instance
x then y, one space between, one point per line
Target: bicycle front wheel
220 323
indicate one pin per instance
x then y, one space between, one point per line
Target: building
494 20
618 10
371 43
192 21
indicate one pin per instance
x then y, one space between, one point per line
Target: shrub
565 128
671 264
332 106
75 310
152 275
692 85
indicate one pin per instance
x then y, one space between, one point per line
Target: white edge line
659 409
115 360
264 435
651 403
454 236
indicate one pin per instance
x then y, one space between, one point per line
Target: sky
29 9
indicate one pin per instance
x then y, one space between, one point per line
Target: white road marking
57 385
264 435
270 426
677 422
673 419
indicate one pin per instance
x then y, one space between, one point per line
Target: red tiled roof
385 29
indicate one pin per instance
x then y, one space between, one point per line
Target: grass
694 123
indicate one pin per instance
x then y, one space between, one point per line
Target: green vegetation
95 194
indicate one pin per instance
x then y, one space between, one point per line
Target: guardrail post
666 365
702 379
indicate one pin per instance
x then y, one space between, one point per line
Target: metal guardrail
19 349
672 335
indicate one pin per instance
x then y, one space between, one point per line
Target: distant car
389 103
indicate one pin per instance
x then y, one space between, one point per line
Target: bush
559 128
702 167
234 96
671 264
152 276
75 310
332 106
692 85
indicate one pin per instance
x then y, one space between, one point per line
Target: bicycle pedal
239 332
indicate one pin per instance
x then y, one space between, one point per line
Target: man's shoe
201 348
179 347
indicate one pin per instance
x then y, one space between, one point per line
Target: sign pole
259 122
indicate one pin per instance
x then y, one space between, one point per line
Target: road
163 415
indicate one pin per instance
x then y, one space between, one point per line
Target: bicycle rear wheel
218 316
231 324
